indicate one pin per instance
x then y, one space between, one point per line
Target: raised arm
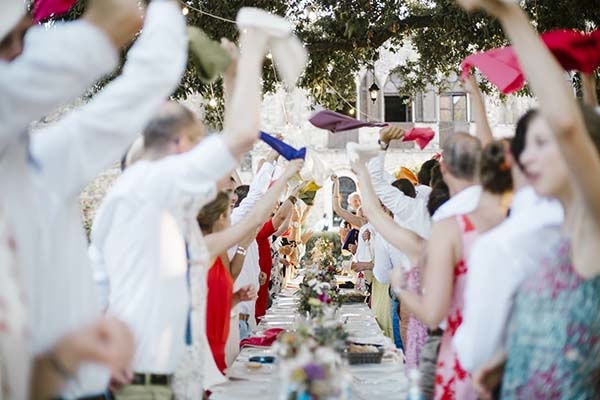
403 239
59 64
432 306
218 242
339 210
242 117
77 148
482 126
258 188
588 85
283 215
393 199
557 105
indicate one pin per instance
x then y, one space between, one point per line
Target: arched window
347 186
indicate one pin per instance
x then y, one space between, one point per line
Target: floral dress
553 340
451 380
416 331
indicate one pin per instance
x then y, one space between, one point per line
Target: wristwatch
241 251
383 145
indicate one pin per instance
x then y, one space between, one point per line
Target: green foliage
342 36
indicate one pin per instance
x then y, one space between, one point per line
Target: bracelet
241 251
59 367
293 199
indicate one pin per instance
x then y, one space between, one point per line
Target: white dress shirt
423 192
462 202
249 275
56 66
409 213
365 248
139 231
73 151
500 260
387 257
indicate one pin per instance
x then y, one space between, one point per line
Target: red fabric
574 50
218 310
43 9
266 263
420 135
270 335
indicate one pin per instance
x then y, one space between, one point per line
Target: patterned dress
416 332
554 334
451 380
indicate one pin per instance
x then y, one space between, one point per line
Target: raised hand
234 53
390 133
119 19
493 7
470 85
292 168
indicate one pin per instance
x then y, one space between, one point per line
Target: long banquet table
386 380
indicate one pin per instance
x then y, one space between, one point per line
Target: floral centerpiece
310 364
319 286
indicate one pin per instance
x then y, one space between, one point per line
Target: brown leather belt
244 317
151 379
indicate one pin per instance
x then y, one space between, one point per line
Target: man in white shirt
500 260
83 144
36 75
249 275
409 212
141 228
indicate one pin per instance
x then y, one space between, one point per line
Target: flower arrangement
319 287
310 363
317 291
322 255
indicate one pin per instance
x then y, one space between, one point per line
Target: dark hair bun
495 174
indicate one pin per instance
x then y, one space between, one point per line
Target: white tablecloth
386 380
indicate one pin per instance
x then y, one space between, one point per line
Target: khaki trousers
145 392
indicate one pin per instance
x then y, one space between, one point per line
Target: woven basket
365 358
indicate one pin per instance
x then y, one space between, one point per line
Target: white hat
11 11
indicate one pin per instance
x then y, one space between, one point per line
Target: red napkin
420 135
500 66
43 9
270 335
336 122
574 50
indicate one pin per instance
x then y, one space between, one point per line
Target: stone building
446 112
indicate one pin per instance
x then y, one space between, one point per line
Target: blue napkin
287 151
